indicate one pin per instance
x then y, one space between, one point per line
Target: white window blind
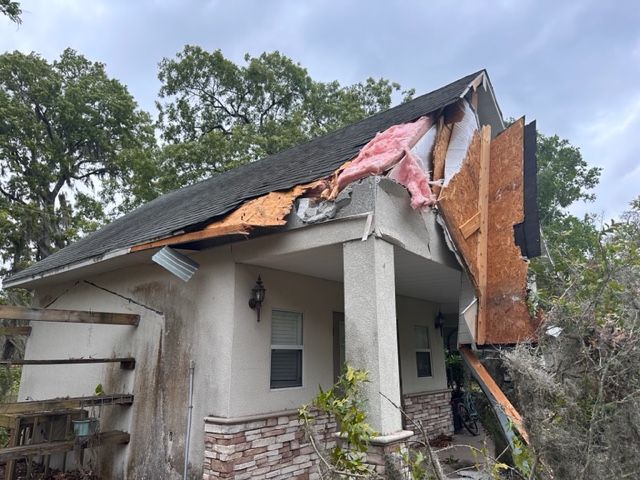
286 349
423 350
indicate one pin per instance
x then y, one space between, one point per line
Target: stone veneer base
430 409
272 447
275 446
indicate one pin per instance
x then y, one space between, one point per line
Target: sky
571 65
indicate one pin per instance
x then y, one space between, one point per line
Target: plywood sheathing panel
503 314
269 210
458 203
509 319
440 152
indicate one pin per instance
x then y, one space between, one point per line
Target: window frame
427 350
281 347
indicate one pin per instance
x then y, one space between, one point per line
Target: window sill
286 389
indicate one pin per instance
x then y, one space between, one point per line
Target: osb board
439 153
508 319
269 210
458 203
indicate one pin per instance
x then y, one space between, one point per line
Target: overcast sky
572 65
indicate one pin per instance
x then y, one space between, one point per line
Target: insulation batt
409 172
387 149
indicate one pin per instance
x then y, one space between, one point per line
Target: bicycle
467 413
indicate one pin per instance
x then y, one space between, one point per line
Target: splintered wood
269 210
440 151
480 206
487 382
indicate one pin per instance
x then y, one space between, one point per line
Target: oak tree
68 134
215 114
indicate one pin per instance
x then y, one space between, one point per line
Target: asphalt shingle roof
200 203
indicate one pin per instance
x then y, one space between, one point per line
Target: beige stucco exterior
208 321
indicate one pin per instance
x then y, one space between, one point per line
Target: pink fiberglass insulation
409 173
383 152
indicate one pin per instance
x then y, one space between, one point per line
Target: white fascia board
483 80
67 268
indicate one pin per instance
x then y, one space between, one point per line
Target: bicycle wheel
467 420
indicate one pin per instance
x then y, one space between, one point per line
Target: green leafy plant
345 403
416 464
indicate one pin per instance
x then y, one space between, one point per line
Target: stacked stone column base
430 409
276 446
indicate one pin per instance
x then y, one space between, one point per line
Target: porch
358 295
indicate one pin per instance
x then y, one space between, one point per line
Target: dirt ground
459 459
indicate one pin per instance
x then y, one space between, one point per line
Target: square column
371 340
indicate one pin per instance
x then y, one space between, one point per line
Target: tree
11 9
563 178
68 137
215 115
579 388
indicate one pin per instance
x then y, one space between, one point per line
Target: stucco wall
195 323
410 312
206 320
316 299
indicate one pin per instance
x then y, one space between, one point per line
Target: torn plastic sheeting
384 151
459 143
423 148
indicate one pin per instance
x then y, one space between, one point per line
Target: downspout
192 366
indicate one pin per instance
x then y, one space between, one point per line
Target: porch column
370 327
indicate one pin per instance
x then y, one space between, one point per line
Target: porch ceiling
415 276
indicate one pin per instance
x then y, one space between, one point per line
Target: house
359 242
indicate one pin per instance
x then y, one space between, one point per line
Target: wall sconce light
439 321
258 293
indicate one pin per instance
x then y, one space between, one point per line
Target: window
423 350
286 349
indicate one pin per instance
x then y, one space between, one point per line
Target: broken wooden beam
113 437
11 312
125 362
55 404
15 331
493 391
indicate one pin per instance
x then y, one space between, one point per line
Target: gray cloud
572 65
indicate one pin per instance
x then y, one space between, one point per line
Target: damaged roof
194 206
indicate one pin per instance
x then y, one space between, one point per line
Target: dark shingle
206 200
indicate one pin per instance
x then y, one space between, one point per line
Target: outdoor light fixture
439 321
257 296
